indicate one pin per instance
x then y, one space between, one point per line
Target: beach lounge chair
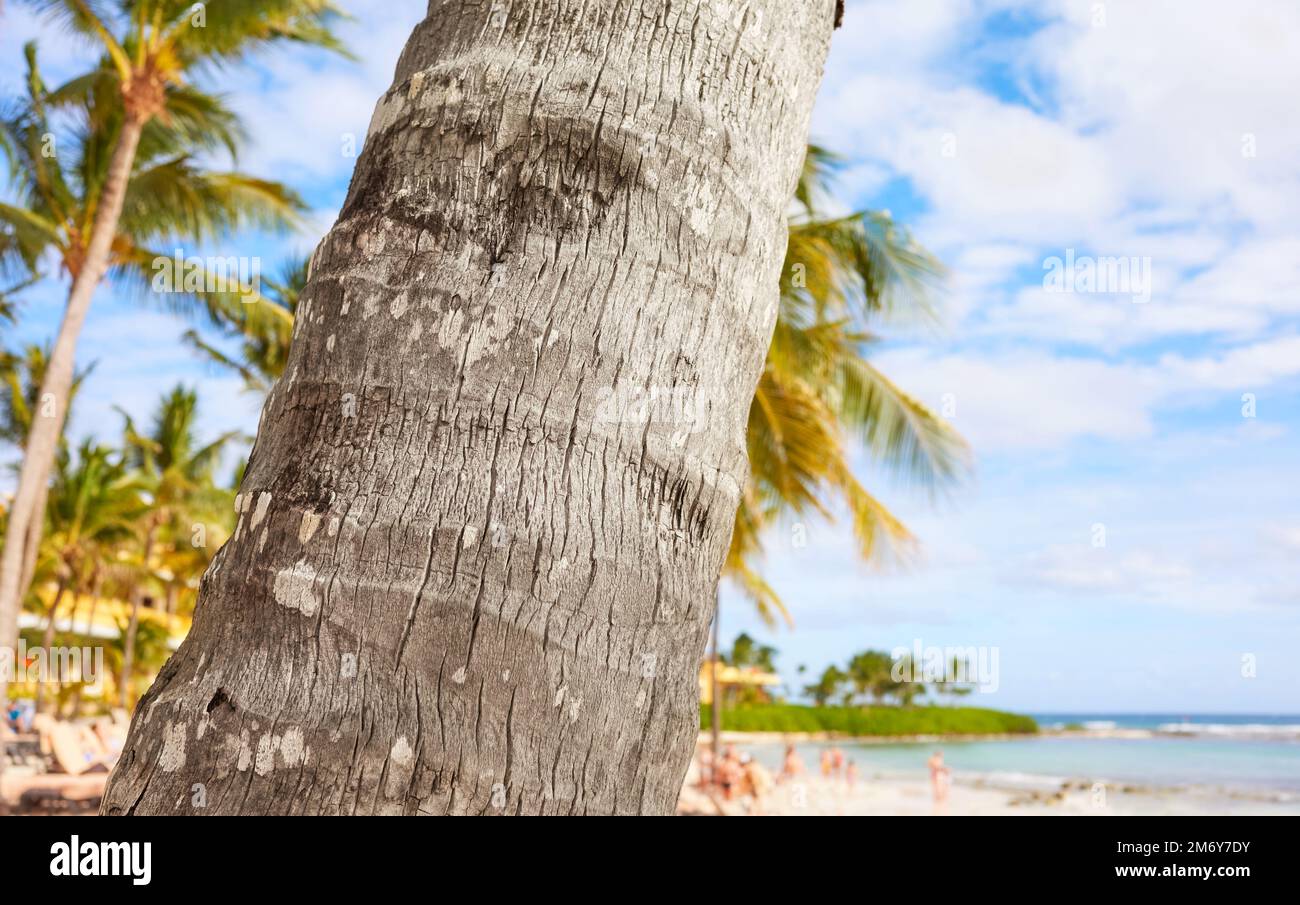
112 736
18 752
75 749
29 782
52 791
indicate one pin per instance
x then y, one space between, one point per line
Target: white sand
879 795
901 797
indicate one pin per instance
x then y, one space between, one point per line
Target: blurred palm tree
830 683
819 390
21 374
870 673
16 272
94 505
149 649
20 385
10 260
177 476
169 198
263 346
144 117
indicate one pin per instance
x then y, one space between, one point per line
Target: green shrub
882 721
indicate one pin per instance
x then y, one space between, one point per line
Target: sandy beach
878 794
879 797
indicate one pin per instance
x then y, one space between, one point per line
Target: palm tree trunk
35 528
133 626
464 578
96 589
47 642
73 708
715 693
43 439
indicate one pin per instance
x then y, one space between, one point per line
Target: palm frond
29 232
90 19
21 376
174 198
242 308
898 430
255 381
869 264
816 177
237 28
791 435
840 274
196 120
879 533
767 603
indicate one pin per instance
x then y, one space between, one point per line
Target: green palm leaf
818 388
898 430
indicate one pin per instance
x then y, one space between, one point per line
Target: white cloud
1287 537
991 169
1029 400
1090 569
1174 93
1242 368
1136 147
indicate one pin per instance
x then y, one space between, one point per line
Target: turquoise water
1234 724
1230 753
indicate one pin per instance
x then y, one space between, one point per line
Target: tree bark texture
457 584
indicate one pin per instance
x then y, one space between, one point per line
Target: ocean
1250 755
1212 724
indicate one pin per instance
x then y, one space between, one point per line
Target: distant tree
827 686
745 651
869 673
94 504
177 475
957 681
21 376
905 684
128 182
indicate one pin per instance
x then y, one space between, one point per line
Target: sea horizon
1167 720
1214 755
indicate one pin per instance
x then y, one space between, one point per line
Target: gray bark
457 585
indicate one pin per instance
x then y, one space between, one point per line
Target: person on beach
791 766
730 773
755 784
940 780
827 763
851 774
706 776
837 761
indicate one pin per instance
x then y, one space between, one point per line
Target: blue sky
1004 134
